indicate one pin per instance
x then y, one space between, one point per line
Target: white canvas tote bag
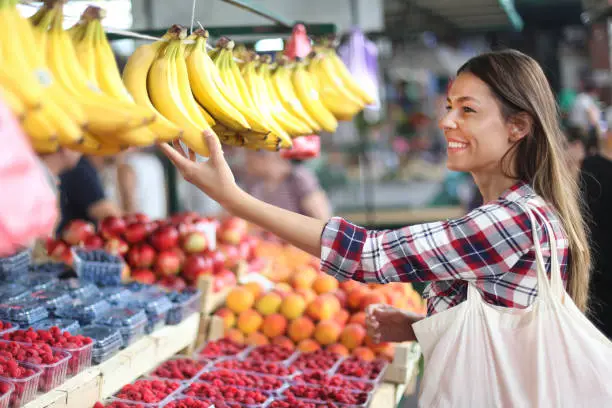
479 355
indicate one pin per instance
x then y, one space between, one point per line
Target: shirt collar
518 190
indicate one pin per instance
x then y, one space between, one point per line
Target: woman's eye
448 108
467 109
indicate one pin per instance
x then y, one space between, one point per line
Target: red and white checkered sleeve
483 244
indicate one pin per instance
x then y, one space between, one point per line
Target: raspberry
320 378
244 380
225 393
326 394
147 391
355 367
270 352
179 369
220 348
296 403
317 360
194 403
257 366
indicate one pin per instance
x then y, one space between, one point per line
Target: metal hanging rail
255 8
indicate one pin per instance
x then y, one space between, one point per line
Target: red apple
143 276
195 242
94 242
253 242
56 248
116 246
232 230
224 279
135 232
112 227
136 217
165 237
141 256
180 254
218 259
172 282
185 229
77 231
167 263
196 265
232 256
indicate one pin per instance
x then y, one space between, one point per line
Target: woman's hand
385 323
213 177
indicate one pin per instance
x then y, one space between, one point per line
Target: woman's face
476 133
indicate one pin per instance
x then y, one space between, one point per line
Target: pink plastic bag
28 208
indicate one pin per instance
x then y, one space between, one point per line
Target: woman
501 125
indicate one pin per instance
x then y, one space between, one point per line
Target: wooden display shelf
99 382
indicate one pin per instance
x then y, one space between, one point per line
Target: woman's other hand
214 177
385 323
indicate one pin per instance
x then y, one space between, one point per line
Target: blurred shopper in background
585 114
575 149
597 184
278 181
82 195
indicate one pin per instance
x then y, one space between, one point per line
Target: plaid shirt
492 246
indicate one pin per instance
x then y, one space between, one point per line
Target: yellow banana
310 99
206 85
162 86
209 119
14 103
90 145
347 79
281 79
38 127
135 80
45 147
179 71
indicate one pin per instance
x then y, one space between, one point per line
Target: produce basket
130 323
10 292
78 289
6 388
179 369
107 341
12 267
65 325
115 294
184 304
98 266
156 304
54 374
86 311
24 388
173 388
38 281
52 299
24 312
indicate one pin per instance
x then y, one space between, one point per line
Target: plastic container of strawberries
6 390
192 402
184 304
284 372
335 381
24 388
14 266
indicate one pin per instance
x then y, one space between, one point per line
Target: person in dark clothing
82 195
596 178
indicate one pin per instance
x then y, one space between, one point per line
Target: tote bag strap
553 287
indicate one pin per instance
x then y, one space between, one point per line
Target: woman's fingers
176 156
214 147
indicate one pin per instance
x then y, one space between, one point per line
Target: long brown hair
520 85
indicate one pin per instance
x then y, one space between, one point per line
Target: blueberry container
24 312
130 322
6 391
79 290
24 388
107 341
98 267
13 291
156 304
115 294
184 304
36 281
52 299
14 266
100 356
86 311
54 269
65 325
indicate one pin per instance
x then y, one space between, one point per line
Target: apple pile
310 311
172 252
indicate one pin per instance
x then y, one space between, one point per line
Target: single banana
14 103
90 145
162 86
45 147
209 119
39 128
347 79
204 80
179 71
310 99
135 75
86 54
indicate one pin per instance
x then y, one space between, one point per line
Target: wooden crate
211 301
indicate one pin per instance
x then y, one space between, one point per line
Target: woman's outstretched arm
215 178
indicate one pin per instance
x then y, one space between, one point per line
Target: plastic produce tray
175 402
13 291
266 353
24 312
107 341
65 325
184 304
275 369
38 281
81 358
130 322
242 379
24 388
5 327
115 294
221 349
52 298
86 311
166 371
160 403
50 268
78 289
98 266
155 303
375 370
193 390
322 379
14 266
329 394
6 388
301 360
